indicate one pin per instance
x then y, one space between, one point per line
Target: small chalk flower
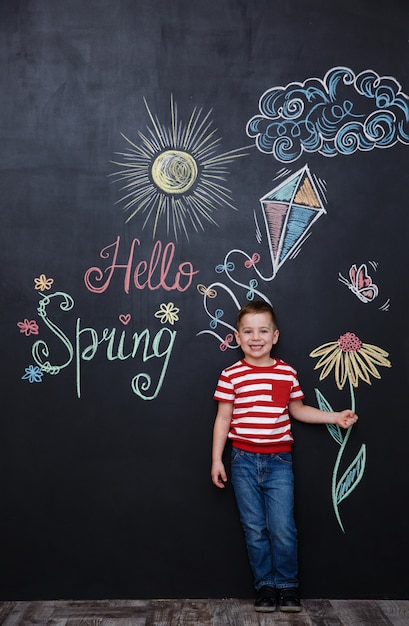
33 374
168 313
42 283
28 327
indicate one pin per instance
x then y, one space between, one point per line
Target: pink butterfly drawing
360 283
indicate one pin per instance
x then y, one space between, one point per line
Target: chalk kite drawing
289 211
175 174
360 283
338 115
351 360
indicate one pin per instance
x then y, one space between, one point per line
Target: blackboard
162 164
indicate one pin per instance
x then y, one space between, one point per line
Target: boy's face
256 336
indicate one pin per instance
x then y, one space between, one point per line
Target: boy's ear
236 336
276 336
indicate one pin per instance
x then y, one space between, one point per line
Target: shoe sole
265 609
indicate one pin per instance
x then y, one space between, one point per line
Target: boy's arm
310 414
220 432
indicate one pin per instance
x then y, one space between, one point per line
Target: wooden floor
227 612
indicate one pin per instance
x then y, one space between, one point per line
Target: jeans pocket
285 457
235 454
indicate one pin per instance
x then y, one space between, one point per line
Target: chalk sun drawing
175 174
289 211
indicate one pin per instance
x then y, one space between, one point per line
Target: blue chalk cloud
340 114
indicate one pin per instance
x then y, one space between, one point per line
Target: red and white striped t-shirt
260 397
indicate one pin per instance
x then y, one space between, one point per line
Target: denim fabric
264 489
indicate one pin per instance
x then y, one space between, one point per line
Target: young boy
256 397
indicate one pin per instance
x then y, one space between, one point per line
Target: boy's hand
346 418
219 476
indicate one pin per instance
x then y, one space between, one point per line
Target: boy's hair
258 306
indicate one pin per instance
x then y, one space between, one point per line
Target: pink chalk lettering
153 273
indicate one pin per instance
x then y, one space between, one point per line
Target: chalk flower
42 283
168 313
28 327
351 359
33 374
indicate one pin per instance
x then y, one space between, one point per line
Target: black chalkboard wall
162 164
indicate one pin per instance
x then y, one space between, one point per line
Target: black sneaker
265 600
288 600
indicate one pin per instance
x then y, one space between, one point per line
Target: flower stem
338 462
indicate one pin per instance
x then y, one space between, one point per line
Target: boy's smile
256 336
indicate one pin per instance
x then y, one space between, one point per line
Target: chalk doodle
43 283
67 342
33 374
160 271
338 115
289 212
28 327
216 314
125 318
168 313
351 360
227 341
175 174
255 258
205 291
86 342
360 283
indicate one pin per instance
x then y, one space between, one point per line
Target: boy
256 397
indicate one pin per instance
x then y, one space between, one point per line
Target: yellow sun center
174 171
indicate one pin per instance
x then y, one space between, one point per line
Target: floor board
188 612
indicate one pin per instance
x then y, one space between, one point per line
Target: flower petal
360 368
377 355
324 349
341 371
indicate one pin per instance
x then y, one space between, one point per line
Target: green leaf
352 476
333 429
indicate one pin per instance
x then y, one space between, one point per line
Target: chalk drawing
168 313
288 212
360 283
28 327
351 360
175 174
43 283
33 374
338 115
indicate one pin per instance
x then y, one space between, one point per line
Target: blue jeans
264 489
